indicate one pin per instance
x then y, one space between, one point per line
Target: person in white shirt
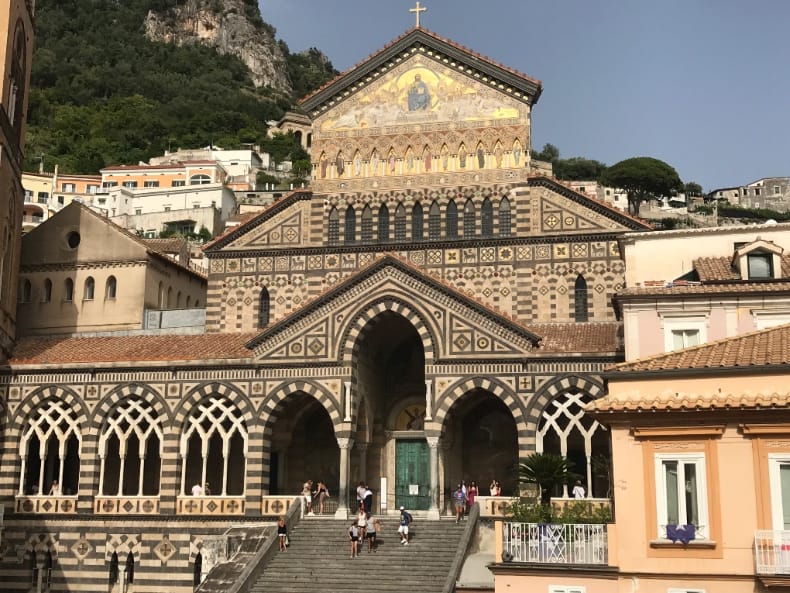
197 490
578 490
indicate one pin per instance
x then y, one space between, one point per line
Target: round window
73 239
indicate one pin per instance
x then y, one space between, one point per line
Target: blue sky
701 84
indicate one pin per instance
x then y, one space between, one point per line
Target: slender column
41 474
183 467
142 473
342 502
347 387
429 399
225 461
120 475
204 453
433 450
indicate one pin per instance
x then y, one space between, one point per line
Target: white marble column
433 450
347 414
345 445
429 399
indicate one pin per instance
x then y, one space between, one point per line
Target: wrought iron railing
772 552
553 543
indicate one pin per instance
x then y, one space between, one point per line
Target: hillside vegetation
103 94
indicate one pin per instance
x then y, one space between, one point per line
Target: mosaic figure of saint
419 98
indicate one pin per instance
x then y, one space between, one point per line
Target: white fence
552 543
772 552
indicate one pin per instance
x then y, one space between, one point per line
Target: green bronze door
412 475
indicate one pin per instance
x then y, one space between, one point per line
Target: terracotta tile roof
711 269
165 245
437 37
768 347
591 338
696 288
128 349
683 401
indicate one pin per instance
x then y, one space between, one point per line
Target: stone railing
130 505
47 504
210 505
276 505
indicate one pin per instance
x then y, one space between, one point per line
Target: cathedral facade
430 311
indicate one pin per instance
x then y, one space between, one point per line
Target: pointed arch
487 218
505 219
451 221
264 308
462 156
445 157
434 222
400 223
323 164
333 227
350 226
410 166
427 161
480 154
581 300
367 224
340 164
374 163
383 224
357 162
391 161
517 153
47 296
417 223
498 154
470 216
277 396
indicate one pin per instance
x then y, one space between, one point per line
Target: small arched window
469 219
199 179
27 291
417 223
112 287
189 301
160 297
333 230
114 568
452 220
198 567
350 227
264 307
580 300
367 224
68 290
434 222
505 220
400 223
487 218
90 289
47 296
384 223
178 300
169 301
129 568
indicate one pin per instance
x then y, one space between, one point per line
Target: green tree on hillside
644 178
572 169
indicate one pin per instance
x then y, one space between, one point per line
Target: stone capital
345 442
433 442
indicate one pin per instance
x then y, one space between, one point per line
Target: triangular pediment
451 324
436 50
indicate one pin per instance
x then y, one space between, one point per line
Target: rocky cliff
232 27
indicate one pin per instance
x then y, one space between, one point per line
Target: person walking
321 493
353 536
371 529
471 495
459 500
367 499
403 528
307 495
362 522
282 534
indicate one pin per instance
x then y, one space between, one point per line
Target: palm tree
547 470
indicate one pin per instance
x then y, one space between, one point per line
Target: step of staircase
318 559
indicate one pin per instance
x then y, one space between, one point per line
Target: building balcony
772 552
47 504
210 505
553 543
128 505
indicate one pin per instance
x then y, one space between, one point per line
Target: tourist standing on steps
367 499
360 495
362 522
282 533
471 495
459 500
321 493
371 529
307 494
403 529
353 536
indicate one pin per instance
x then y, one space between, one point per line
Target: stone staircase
318 559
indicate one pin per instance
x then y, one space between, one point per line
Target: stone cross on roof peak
417 10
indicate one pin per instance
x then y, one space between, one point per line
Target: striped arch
28 407
131 390
272 405
206 390
350 342
526 439
551 390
